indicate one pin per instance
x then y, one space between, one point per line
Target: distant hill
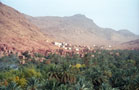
16 31
134 44
79 29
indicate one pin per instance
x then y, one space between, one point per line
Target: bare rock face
79 29
16 31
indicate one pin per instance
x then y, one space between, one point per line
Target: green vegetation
100 70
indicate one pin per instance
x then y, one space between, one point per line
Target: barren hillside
16 31
79 29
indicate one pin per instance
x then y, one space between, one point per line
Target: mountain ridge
24 32
82 29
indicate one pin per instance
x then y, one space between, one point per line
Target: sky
116 14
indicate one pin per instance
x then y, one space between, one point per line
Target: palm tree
33 84
82 84
11 86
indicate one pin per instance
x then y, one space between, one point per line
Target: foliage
99 70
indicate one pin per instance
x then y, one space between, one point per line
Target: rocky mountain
17 32
79 29
23 32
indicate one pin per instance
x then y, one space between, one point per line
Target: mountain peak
79 16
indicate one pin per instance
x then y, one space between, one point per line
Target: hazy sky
116 14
